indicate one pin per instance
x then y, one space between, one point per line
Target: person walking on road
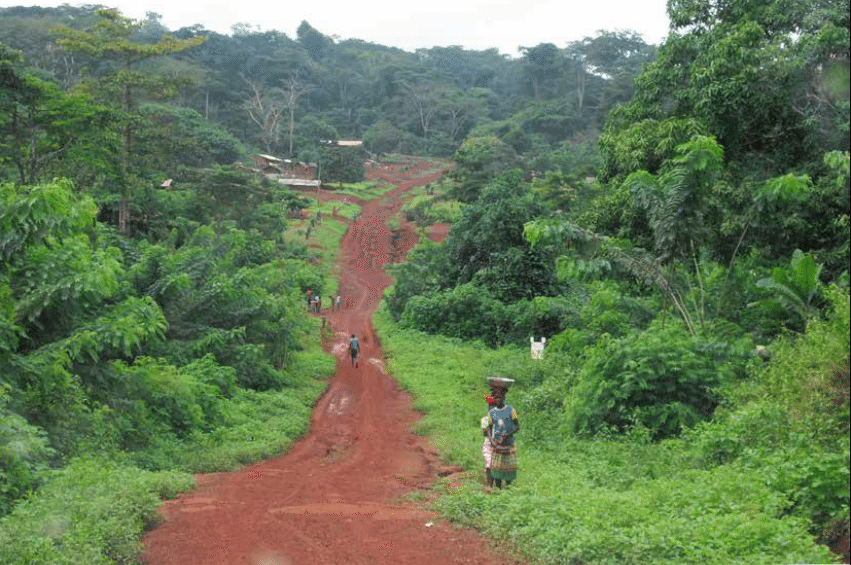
502 425
337 302
354 348
487 448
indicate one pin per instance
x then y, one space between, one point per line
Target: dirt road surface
338 496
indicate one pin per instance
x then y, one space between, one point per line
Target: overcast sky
473 24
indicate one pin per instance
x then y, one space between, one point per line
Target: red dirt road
334 498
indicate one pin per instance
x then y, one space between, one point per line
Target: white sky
473 24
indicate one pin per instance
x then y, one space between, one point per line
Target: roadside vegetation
674 219
365 190
759 484
128 364
693 401
430 204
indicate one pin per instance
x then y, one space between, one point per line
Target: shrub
810 375
791 421
661 378
151 398
24 454
465 312
91 512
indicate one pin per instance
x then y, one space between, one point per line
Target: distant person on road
337 302
487 448
354 348
502 425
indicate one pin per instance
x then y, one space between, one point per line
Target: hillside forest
673 218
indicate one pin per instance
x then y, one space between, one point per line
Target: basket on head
499 385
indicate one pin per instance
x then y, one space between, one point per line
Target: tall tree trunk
291 127
124 204
123 214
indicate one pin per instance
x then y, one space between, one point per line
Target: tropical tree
62 303
40 125
383 137
478 161
265 107
112 39
675 201
342 164
758 76
316 44
486 242
795 286
542 68
293 90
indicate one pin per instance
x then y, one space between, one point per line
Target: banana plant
795 286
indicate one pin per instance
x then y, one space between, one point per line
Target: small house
342 142
268 164
300 183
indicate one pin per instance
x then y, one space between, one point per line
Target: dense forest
674 218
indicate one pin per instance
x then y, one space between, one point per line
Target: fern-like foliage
63 273
675 199
796 286
28 215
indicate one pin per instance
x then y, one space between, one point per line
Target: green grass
433 208
324 241
396 158
327 208
91 512
587 501
364 190
261 425
257 425
327 236
436 187
94 510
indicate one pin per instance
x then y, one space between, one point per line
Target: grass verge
324 241
94 510
587 501
364 190
90 512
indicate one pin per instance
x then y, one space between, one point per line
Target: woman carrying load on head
487 448
502 425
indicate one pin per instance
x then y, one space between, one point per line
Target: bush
24 454
810 375
790 421
91 512
661 379
622 500
465 312
151 398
